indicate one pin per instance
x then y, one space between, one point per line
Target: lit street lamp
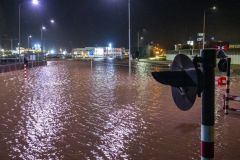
34 2
52 21
29 37
214 8
43 28
140 38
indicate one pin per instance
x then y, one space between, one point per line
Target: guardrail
5 61
19 66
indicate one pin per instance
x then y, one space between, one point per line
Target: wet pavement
70 110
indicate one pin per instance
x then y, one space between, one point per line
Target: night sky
81 23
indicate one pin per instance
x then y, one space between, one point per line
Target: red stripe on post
207 149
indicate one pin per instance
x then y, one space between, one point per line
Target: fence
19 66
5 61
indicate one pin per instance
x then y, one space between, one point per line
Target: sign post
188 81
208 104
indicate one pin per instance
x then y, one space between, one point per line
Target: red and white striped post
208 104
25 71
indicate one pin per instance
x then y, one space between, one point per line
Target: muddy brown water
68 110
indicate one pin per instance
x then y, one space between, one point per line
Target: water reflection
43 105
72 110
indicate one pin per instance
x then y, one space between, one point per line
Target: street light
52 21
29 37
140 38
129 33
34 2
109 49
214 8
43 28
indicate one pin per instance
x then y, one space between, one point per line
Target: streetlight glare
30 36
52 21
214 8
43 28
110 45
35 2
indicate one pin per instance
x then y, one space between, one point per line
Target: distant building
98 52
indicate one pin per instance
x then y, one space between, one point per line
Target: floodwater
72 111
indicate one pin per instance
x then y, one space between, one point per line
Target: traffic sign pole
188 81
208 104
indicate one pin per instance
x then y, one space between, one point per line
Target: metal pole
11 45
208 104
41 39
41 43
129 34
19 30
138 37
28 42
226 105
204 28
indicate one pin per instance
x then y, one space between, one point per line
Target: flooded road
68 110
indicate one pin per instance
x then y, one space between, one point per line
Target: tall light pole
43 28
34 2
129 33
214 8
138 41
29 37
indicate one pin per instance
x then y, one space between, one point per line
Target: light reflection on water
69 111
41 123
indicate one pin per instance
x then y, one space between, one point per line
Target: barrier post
25 71
208 104
226 105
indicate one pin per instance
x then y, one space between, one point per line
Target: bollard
25 71
226 101
208 104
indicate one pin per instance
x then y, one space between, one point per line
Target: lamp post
29 37
34 2
43 28
214 8
139 40
129 33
